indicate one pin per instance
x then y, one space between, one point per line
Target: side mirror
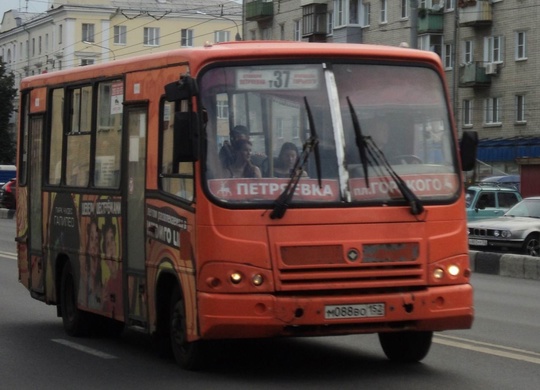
467 149
185 88
185 138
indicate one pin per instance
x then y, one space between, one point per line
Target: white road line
84 349
8 255
487 348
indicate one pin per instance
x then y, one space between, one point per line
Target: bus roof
230 51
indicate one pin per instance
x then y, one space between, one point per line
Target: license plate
333 312
475 242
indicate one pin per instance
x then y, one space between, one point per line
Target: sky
33 5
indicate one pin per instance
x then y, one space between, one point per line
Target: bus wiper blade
360 141
378 157
312 144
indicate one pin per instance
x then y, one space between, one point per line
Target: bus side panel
22 235
170 237
85 229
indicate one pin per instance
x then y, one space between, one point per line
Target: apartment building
73 33
489 48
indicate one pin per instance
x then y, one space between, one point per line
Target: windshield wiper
312 144
378 156
360 141
367 144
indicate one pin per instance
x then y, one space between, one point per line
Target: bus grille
329 267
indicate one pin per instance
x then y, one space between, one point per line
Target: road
501 351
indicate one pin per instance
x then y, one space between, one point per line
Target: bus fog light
257 279
236 277
453 270
438 273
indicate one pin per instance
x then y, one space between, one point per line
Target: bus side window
109 134
175 180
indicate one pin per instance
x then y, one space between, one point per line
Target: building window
448 57
221 36
88 32
354 12
431 43
330 20
493 49
60 33
282 31
492 111
521 45
449 5
520 109
404 9
87 61
120 33
297 30
314 19
367 14
384 12
339 13
222 107
186 37
40 44
151 36
468 52
266 34
467 112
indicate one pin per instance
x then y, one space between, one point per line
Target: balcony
474 13
257 10
430 21
473 75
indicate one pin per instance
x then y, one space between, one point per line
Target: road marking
8 255
84 349
487 348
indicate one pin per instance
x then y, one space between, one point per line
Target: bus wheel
189 355
406 347
74 320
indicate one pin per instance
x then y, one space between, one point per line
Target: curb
504 264
7 214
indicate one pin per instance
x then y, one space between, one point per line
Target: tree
7 96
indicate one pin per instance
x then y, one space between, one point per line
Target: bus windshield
259 127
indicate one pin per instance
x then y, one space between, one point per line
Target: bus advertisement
247 190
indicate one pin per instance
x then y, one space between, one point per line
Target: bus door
37 273
137 119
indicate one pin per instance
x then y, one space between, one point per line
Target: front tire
531 247
189 355
76 322
406 347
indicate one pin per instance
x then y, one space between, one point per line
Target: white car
517 230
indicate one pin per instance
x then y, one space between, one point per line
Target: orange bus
247 190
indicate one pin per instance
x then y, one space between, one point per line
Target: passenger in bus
226 153
241 165
288 155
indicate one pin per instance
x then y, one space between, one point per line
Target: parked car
8 195
512 181
517 230
484 202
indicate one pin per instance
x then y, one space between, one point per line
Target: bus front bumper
263 315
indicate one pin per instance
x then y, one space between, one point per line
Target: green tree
7 96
